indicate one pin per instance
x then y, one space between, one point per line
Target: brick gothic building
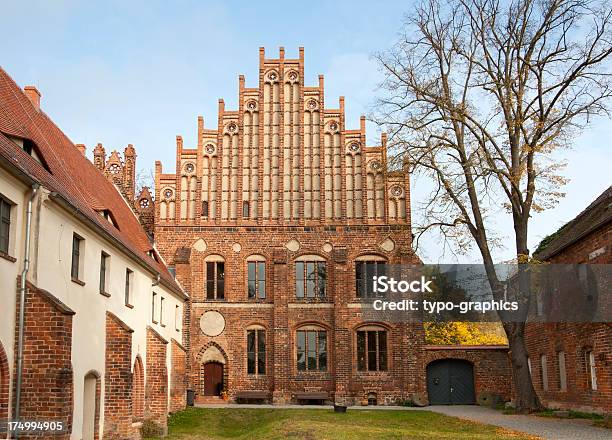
571 363
272 223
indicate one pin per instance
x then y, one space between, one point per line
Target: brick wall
281 313
4 385
47 387
492 371
118 380
574 340
178 388
156 394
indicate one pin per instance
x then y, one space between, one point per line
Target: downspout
22 298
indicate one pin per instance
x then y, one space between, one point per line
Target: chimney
81 148
33 95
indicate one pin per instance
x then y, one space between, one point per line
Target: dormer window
108 216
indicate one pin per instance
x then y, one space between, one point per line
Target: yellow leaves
464 333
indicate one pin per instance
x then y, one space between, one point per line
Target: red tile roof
69 174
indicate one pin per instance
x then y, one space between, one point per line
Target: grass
572 415
313 424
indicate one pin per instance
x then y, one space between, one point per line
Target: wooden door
213 379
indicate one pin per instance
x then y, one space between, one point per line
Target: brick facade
279 181
156 394
178 378
47 391
585 240
118 380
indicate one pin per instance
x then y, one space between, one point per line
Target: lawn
312 424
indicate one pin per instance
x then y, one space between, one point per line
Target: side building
273 222
102 329
571 362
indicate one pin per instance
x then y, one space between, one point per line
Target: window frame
562 370
5 224
104 273
259 334
304 282
318 331
177 317
77 254
590 365
217 284
363 291
153 307
161 311
260 270
128 286
363 364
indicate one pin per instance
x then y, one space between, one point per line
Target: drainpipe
22 298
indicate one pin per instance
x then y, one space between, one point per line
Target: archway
138 390
91 405
213 370
450 382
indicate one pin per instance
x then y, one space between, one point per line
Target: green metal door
450 382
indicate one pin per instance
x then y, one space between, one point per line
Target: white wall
52 251
16 192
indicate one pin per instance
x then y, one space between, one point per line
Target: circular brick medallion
236 247
212 323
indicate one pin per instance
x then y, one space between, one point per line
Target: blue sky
141 73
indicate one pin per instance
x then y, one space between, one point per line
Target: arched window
204 208
366 268
310 277
215 277
311 344
256 277
372 348
589 362
246 211
256 350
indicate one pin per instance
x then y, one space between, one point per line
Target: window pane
220 280
103 273
252 279
382 351
301 354
372 351
205 209
261 279
310 280
210 280
311 346
251 340
322 278
370 272
251 362
361 351
74 271
299 279
261 351
322 351
359 278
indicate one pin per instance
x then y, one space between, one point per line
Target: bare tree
477 95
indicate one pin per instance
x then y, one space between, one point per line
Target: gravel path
545 427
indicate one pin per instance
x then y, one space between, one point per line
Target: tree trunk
526 399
